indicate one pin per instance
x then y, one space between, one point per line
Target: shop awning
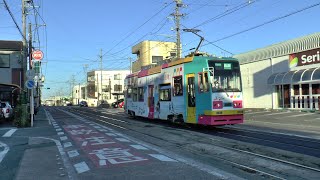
295 77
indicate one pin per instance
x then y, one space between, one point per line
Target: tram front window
226 76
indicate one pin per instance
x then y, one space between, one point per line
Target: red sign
37 55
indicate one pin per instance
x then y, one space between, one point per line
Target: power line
14 20
268 22
137 28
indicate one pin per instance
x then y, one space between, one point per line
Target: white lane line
73 153
122 140
60 133
59 129
63 138
162 157
111 124
110 134
139 147
113 119
298 115
271 114
256 112
4 152
81 167
67 144
9 133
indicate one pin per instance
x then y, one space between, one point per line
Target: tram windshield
226 77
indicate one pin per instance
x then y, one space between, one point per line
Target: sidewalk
42 159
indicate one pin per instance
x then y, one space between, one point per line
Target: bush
21 118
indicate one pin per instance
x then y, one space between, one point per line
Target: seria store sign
304 58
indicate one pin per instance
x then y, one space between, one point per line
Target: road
102 143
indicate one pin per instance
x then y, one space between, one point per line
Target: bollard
293 102
299 102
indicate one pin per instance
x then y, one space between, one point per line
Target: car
119 103
6 109
83 104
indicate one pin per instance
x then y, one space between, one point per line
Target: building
283 75
79 94
105 86
151 52
11 72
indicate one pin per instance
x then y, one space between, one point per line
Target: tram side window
203 82
134 94
165 93
177 87
140 94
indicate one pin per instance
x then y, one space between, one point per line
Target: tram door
151 101
191 99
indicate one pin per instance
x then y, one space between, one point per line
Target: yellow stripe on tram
222 112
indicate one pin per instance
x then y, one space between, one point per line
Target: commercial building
152 52
105 86
11 73
283 75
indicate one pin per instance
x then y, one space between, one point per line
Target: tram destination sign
304 58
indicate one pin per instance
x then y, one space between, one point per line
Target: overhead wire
267 22
137 28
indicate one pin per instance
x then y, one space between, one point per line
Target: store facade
284 75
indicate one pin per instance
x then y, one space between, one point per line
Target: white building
105 85
79 94
283 75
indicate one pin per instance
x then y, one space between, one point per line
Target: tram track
246 168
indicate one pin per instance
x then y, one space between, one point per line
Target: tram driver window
203 82
177 87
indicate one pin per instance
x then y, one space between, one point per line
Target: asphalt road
92 143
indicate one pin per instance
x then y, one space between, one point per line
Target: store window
177 87
4 60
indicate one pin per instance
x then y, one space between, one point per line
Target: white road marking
102 162
113 119
73 153
60 133
256 112
81 167
298 115
122 139
9 133
63 138
110 134
59 129
111 124
4 152
271 114
162 157
97 127
66 163
67 144
139 147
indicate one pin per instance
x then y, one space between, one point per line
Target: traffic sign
30 74
37 55
29 84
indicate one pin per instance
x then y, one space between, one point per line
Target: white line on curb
9 133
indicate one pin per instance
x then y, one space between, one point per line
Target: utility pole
177 17
130 59
85 67
30 46
72 85
101 74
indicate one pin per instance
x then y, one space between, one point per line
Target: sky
76 31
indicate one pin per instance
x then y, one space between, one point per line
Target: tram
197 89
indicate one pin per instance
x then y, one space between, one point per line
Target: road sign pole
31 107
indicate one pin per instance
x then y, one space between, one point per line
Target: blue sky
77 30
